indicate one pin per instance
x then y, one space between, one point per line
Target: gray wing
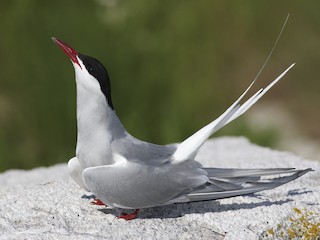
130 184
225 183
143 152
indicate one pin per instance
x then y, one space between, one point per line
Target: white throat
97 122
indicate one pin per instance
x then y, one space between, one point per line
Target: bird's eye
90 70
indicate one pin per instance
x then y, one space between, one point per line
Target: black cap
97 70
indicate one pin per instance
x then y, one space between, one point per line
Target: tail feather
238 180
234 172
225 185
228 186
189 147
257 96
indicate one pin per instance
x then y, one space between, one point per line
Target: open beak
71 53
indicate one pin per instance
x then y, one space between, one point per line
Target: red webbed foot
130 216
98 202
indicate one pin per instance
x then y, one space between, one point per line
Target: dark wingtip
302 172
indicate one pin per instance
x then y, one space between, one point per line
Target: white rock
45 203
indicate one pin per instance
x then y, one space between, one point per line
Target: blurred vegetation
174 66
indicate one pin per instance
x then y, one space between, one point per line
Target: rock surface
44 203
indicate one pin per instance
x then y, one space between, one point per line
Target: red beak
71 53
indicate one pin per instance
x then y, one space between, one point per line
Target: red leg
97 201
129 216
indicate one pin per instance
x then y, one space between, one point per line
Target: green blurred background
174 66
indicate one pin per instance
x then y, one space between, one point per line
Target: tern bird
127 173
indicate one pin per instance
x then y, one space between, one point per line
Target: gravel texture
44 203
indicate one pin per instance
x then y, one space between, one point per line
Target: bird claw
130 216
98 202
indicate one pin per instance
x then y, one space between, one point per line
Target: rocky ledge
44 203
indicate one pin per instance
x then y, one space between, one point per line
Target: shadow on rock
298 192
179 210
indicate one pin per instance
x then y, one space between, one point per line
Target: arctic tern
125 172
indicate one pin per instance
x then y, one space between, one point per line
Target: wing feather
225 188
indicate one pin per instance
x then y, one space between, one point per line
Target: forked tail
189 147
